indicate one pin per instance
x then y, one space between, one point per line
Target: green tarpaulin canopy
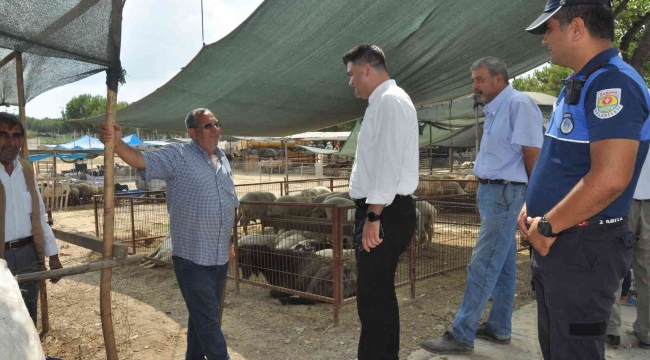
280 72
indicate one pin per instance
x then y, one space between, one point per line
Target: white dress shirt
18 209
642 191
387 159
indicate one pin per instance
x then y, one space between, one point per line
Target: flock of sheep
302 260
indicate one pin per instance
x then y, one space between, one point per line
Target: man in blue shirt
512 136
201 201
581 188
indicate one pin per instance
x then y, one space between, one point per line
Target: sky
159 37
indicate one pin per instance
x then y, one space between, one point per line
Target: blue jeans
202 287
492 270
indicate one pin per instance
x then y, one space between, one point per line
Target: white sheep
257 239
290 241
329 253
250 212
282 211
339 202
426 219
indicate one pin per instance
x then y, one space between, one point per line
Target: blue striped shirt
201 201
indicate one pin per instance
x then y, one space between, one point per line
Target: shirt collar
603 57
382 88
18 168
494 105
194 146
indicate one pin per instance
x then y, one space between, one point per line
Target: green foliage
631 24
547 80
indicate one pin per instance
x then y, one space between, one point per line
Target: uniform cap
538 27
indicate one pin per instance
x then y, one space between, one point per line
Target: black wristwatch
372 217
544 227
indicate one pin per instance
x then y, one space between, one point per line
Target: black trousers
575 285
376 299
23 261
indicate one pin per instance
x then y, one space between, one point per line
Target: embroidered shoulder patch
608 103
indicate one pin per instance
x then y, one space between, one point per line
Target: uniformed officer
581 188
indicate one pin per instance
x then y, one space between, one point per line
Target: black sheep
294 269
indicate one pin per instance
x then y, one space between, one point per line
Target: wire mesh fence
296 238
141 220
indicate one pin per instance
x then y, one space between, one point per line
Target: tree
547 80
631 35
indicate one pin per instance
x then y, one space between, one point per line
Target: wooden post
430 149
20 85
7 59
337 274
132 222
451 159
109 227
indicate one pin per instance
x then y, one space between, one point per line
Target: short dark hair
366 53
598 18
10 120
191 120
494 65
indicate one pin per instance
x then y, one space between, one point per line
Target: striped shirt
201 201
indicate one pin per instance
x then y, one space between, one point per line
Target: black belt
362 202
601 223
499 182
20 243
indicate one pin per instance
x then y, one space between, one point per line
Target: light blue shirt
201 201
512 120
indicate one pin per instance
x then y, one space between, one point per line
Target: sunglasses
209 125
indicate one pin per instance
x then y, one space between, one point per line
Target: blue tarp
66 157
90 143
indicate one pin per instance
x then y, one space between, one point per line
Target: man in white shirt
26 236
639 223
384 175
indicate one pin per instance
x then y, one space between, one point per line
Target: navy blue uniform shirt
614 104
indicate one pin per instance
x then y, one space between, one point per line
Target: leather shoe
447 344
613 341
484 332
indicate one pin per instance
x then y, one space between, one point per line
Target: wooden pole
476 135
109 227
20 84
81 269
24 153
7 59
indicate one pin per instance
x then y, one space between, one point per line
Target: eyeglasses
6 135
209 125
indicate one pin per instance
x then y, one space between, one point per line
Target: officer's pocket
586 252
585 330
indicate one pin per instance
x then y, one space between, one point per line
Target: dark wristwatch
545 229
372 217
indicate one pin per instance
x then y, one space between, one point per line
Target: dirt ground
150 316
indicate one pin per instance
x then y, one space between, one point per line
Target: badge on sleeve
608 103
566 125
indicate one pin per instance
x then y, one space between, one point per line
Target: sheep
320 198
293 269
471 186
426 220
311 245
451 188
430 188
309 193
329 253
339 202
283 211
257 239
250 212
289 241
344 195
162 253
315 192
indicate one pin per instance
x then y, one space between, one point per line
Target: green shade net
280 72
61 41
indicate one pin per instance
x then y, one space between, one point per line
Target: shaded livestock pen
305 250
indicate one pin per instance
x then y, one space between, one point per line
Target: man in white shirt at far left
25 237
